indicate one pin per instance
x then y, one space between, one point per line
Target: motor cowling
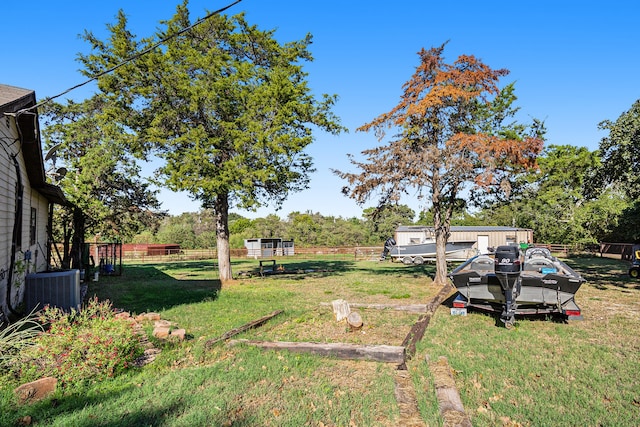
507 266
507 269
388 245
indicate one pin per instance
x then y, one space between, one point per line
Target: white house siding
7 201
9 147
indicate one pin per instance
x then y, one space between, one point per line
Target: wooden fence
343 252
358 253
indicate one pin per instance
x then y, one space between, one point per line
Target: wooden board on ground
449 402
417 331
412 308
245 327
376 353
407 403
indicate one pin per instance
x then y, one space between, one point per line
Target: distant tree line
568 200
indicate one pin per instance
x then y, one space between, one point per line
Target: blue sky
574 63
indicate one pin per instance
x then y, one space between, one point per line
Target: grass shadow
147 288
297 269
604 272
85 410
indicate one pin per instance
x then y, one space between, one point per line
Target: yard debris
148 357
162 329
240 329
147 316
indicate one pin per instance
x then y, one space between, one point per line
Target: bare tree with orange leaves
455 131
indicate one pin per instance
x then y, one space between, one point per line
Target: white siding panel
8 135
9 146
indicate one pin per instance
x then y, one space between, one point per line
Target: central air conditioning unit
57 289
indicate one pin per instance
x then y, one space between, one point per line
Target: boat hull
547 289
461 250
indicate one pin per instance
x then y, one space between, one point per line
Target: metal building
486 236
268 247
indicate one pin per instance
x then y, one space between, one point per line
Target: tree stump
354 321
340 309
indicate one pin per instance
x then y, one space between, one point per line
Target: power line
132 58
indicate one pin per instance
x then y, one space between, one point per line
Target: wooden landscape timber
449 402
417 330
245 327
376 353
405 395
412 308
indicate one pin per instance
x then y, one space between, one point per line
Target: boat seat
538 265
482 264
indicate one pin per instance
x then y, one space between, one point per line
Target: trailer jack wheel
510 324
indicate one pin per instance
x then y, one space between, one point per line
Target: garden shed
26 199
486 236
268 247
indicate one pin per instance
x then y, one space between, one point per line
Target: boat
512 283
418 253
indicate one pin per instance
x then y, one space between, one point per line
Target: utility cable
132 58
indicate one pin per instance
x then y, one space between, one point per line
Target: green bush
78 347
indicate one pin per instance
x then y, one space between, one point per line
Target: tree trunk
441 225
77 241
222 237
441 257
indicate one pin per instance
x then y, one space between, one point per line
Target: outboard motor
388 244
507 269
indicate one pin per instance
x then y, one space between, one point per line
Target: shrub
77 347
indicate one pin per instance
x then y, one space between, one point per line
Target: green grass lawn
543 372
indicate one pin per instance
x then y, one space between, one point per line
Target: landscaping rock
36 390
147 316
178 334
161 331
161 323
25 421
